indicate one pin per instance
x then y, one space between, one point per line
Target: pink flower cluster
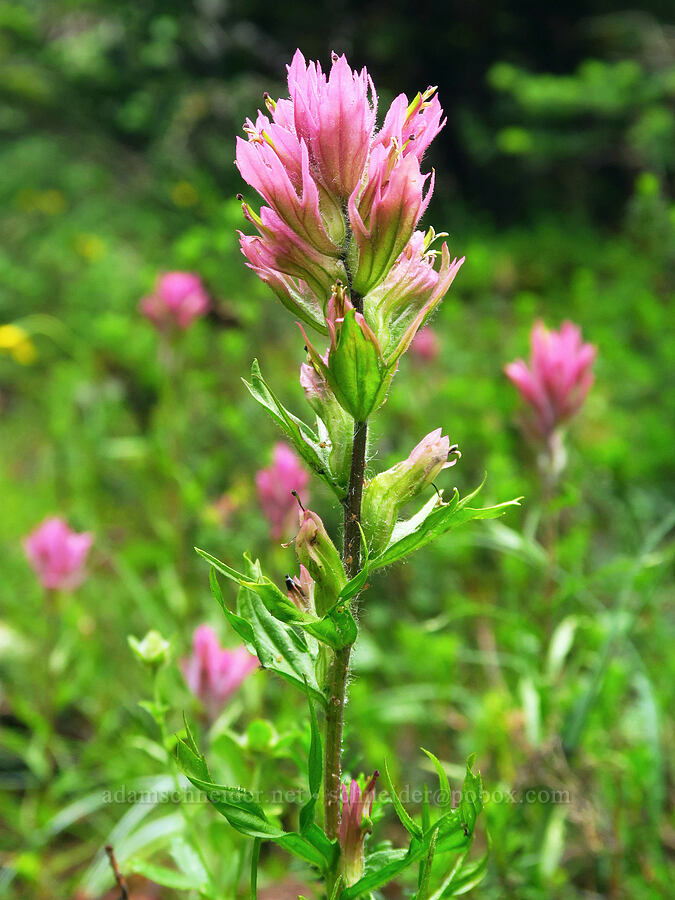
275 485
558 378
57 554
342 200
178 299
212 673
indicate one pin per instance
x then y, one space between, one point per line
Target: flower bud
153 650
300 590
355 824
409 294
335 425
318 554
389 491
355 369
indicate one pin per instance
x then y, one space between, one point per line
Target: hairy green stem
336 682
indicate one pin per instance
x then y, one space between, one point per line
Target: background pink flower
212 673
179 298
57 554
425 345
558 378
275 484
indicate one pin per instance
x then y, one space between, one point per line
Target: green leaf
410 826
471 802
305 849
162 875
356 584
443 781
381 868
314 769
425 871
235 804
464 878
241 626
278 647
317 838
357 372
433 520
190 863
337 628
243 813
426 808
303 438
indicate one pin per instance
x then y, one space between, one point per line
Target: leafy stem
336 682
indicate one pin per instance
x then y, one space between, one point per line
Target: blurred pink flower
275 484
57 554
178 299
425 345
356 804
558 378
212 673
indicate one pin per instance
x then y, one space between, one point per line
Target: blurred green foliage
555 176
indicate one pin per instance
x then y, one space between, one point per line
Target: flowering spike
179 298
557 380
57 554
342 201
212 673
278 486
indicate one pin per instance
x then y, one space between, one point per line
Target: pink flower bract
560 373
275 484
178 299
57 554
212 673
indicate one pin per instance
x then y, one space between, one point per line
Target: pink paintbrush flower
178 299
558 378
357 807
275 485
57 554
425 345
324 173
212 673
334 116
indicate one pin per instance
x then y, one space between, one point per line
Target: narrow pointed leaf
314 769
408 823
303 438
425 872
433 520
446 801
